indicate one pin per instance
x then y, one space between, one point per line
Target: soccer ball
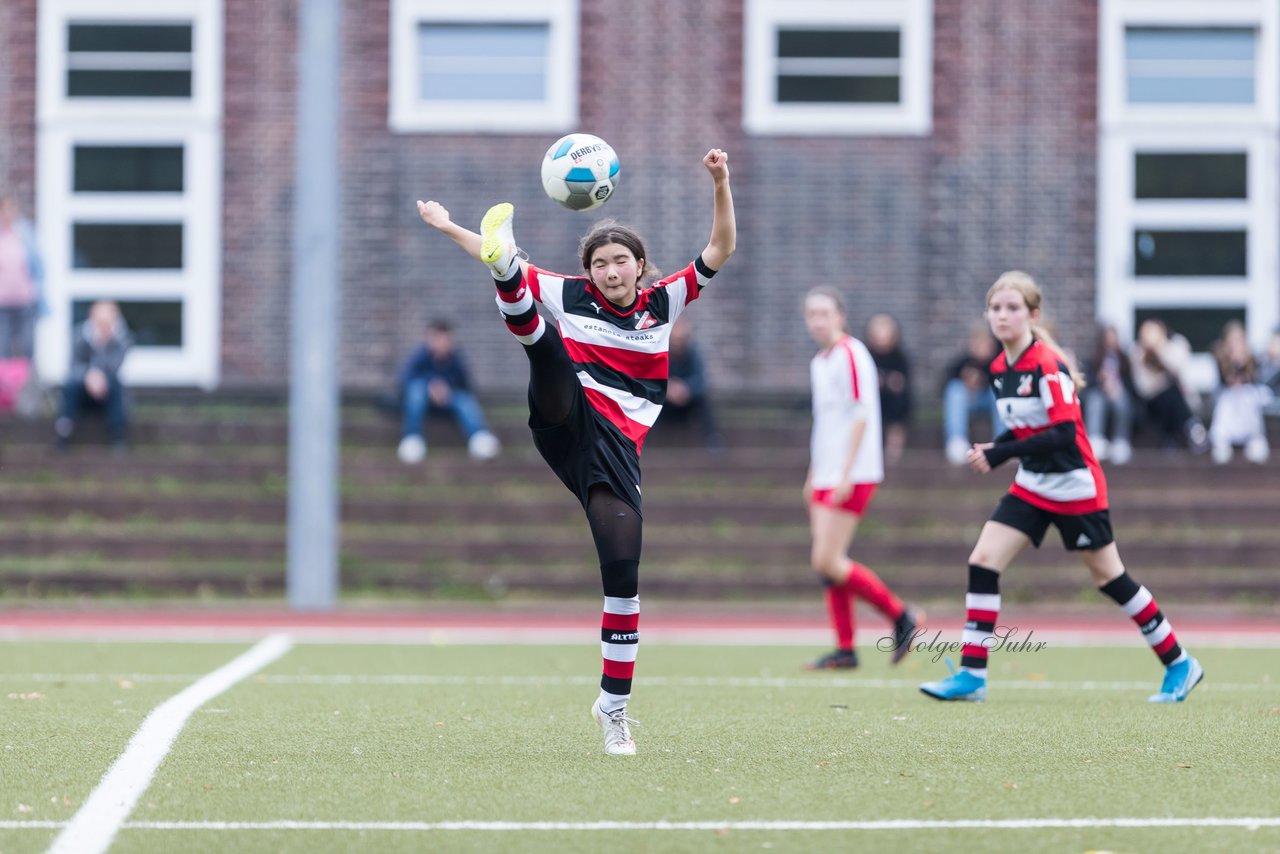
580 171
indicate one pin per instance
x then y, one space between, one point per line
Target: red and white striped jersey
620 356
1033 395
846 389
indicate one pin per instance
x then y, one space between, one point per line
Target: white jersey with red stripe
846 390
1033 395
620 356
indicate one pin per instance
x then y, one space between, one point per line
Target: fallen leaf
24 808
735 799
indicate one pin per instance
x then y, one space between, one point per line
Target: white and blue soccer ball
580 171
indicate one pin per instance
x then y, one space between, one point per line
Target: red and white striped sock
515 301
1140 605
619 643
981 610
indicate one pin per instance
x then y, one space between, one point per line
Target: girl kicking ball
597 381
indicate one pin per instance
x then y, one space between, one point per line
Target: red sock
865 583
840 607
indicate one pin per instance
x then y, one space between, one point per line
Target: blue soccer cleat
1179 679
960 685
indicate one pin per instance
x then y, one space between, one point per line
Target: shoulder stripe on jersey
654 391
853 366
641 366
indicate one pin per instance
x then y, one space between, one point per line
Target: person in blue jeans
967 392
434 379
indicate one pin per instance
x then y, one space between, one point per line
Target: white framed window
129 180
838 67
502 66
1188 172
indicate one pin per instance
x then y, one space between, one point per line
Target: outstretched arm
724 229
435 215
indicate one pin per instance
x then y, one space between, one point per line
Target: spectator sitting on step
434 379
1159 360
688 399
884 340
98 352
1237 411
1108 398
967 392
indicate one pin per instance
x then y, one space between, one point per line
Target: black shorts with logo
1082 532
585 449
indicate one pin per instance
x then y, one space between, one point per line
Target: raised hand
717 163
433 214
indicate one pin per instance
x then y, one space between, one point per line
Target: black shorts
585 449
1082 532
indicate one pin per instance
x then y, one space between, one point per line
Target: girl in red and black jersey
597 381
1058 482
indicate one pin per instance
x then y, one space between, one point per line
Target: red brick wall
918 226
258 143
18 101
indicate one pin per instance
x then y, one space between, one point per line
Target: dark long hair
610 231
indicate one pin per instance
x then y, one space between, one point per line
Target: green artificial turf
407 733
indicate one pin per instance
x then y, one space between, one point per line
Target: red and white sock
515 301
619 643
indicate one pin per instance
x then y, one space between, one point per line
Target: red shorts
856 503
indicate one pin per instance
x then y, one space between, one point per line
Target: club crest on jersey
645 320
1024 385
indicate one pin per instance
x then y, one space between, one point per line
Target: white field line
819 635
508 826
99 819
818 681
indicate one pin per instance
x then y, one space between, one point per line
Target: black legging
615 526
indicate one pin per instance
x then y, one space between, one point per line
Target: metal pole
312 576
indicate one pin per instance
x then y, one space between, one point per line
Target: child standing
846 466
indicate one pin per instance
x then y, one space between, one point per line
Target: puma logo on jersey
595 306
645 320
1024 385
998 382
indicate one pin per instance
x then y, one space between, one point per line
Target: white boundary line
507 826
100 818
822 681
550 636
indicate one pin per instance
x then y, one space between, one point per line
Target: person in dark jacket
434 378
98 352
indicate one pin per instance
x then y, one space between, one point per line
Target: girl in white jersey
846 466
1059 483
597 380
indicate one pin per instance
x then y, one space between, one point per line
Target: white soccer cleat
413 449
497 240
617 731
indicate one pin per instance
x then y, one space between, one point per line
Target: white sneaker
1222 453
1101 447
413 449
1256 450
1121 451
483 446
617 731
498 242
957 451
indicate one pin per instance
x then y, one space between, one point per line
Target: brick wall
916 226
258 144
18 101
